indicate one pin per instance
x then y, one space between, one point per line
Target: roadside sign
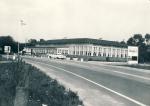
7 49
133 54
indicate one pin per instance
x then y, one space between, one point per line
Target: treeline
143 42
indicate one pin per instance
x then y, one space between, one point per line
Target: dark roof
84 41
39 47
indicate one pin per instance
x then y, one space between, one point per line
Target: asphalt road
99 84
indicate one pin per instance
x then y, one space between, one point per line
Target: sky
114 20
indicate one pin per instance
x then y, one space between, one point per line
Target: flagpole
18 37
18 48
21 24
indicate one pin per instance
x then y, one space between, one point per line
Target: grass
1 58
138 66
41 88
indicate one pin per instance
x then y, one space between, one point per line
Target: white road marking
132 75
123 73
110 90
137 76
129 68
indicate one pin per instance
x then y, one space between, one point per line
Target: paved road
99 84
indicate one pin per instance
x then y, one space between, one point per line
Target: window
66 52
94 54
100 49
85 48
122 52
121 55
126 53
74 48
104 52
118 52
114 52
81 48
109 52
134 58
77 52
89 54
99 54
81 52
95 48
86 53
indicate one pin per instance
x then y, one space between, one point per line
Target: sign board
133 54
7 49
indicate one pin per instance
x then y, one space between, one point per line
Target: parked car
56 56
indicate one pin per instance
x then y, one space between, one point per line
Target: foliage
9 41
147 38
138 40
42 89
123 42
7 83
42 40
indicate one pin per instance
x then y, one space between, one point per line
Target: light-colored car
57 56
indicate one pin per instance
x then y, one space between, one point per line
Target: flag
22 23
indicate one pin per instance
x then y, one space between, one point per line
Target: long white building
82 48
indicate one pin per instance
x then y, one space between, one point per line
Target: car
56 56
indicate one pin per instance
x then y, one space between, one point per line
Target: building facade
97 50
82 48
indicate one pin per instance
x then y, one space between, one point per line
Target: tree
123 42
131 42
32 41
8 41
42 40
138 39
147 39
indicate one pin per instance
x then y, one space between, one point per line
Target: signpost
7 50
133 54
